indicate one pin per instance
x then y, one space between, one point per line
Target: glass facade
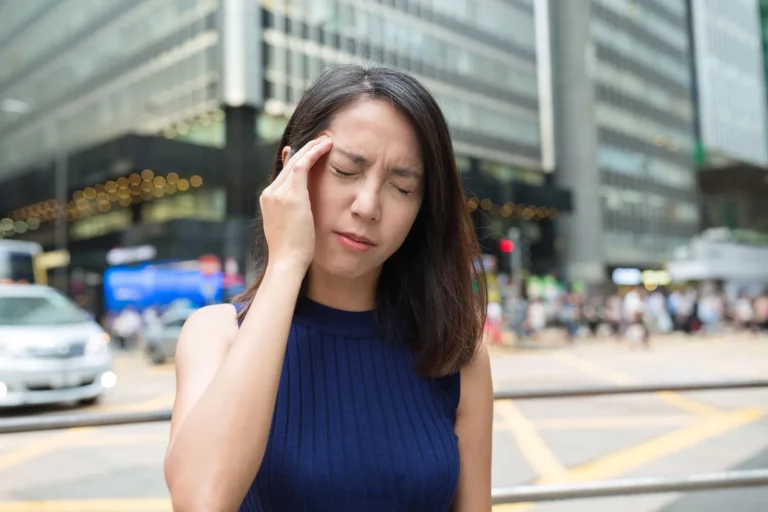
644 117
75 73
84 74
730 79
482 72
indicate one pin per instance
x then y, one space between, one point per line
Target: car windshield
16 267
41 310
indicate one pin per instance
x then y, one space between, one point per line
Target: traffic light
506 246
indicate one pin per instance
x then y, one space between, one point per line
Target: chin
344 268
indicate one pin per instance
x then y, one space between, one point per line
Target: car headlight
97 344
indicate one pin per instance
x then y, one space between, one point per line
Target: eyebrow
406 173
358 159
361 160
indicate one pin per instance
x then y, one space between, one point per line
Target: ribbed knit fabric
355 428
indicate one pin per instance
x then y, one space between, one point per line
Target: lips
357 238
354 242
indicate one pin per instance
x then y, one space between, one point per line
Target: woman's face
367 191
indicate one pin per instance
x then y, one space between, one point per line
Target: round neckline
359 324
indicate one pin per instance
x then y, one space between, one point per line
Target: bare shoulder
202 346
474 429
209 328
218 315
476 383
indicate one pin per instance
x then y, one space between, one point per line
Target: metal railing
516 494
630 486
80 420
627 390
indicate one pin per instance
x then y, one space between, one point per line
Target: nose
367 202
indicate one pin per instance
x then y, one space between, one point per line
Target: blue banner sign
159 286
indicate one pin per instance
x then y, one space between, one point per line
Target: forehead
375 128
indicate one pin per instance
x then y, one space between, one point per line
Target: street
535 441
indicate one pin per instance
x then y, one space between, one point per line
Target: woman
356 380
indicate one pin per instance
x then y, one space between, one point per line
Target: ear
286 153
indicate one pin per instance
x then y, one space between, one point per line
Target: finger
303 151
288 165
280 178
300 170
298 159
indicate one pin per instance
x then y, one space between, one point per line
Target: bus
18 262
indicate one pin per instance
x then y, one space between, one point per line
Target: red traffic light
506 245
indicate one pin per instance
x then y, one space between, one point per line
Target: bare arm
227 379
474 428
226 396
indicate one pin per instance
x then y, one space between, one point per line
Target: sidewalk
553 339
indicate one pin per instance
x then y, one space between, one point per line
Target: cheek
401 222
322 196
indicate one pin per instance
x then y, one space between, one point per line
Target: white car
161 337
51 351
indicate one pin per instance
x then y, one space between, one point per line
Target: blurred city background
615 160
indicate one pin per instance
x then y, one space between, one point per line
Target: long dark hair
431 292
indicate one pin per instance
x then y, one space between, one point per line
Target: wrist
286 270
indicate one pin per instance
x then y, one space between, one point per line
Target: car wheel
157 357
90 401
154 354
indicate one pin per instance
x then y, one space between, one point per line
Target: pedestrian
351 375
636 330
761 312
535 320
592 312
613 311
128 326
494 322
569 314
743 313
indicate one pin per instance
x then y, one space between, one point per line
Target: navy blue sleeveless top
355 428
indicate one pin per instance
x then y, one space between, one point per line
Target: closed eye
403 191
342 173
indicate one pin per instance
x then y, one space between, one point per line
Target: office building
88 91
492 83
732 149
624 122
154 121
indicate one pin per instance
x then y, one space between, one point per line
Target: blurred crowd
633 315
128 326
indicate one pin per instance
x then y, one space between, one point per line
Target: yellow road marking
673 399
37 447
158 402
611 422
626 460
593 369
105 505
510 507
528 440
163 369
72 437
623 461
688 404
118 440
